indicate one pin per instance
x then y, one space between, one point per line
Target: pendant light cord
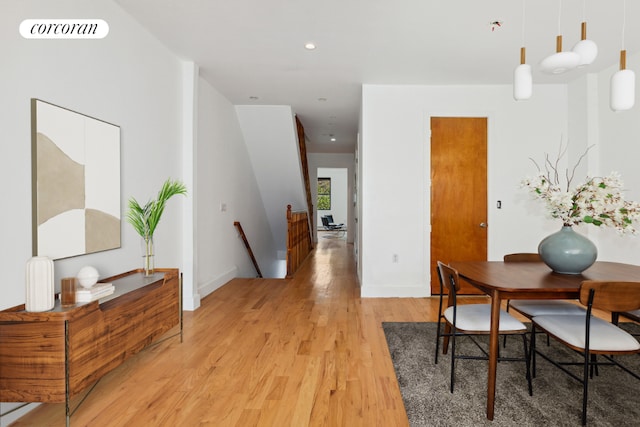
624 21
560 17
524 3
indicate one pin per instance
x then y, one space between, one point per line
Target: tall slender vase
567 252
148 262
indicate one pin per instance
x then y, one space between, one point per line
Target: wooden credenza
52 356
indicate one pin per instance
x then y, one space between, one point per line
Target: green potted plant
145 219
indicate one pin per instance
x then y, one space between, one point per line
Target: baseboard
14 412
395 291
213 284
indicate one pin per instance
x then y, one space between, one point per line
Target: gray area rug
614 396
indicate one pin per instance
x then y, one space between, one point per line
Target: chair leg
445 340
532 349
453 360
615 318
594 366
504 339
585 387
527 357
437 341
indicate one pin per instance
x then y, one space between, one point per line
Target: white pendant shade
522 82
623 82
587 49
623 88
522 78
560 61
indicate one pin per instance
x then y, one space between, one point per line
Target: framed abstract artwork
75 184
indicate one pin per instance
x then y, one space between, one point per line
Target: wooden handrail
298 240
248 246
305 171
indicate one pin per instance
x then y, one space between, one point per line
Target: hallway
264 352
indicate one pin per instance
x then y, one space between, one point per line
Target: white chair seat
541 307
603 335
477 318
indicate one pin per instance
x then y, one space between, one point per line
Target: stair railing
304 163
248 246
299 242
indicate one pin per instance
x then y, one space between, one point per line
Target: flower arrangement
598 200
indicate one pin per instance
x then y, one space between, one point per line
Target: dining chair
590 335
537 307
470 320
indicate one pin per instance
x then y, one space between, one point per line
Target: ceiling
252 51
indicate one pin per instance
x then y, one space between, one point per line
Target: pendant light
560 61
623 82
587 49
522 79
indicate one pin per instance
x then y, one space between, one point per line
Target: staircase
271 136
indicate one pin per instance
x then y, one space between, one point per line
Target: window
324 194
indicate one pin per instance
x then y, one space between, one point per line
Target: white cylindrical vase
39 277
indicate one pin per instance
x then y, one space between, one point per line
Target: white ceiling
255 48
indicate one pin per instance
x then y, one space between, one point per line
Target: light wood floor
264 352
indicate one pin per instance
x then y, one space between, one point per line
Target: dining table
529 280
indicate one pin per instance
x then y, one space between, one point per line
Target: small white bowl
87 277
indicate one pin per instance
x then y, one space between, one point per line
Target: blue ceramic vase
567 252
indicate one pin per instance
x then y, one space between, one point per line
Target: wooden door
458 193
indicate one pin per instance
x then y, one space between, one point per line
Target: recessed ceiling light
333 140
309 46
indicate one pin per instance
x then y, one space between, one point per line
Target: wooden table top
537 278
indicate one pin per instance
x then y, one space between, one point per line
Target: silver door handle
483 224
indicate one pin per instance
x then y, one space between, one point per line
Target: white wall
394 157
128 79
225 177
